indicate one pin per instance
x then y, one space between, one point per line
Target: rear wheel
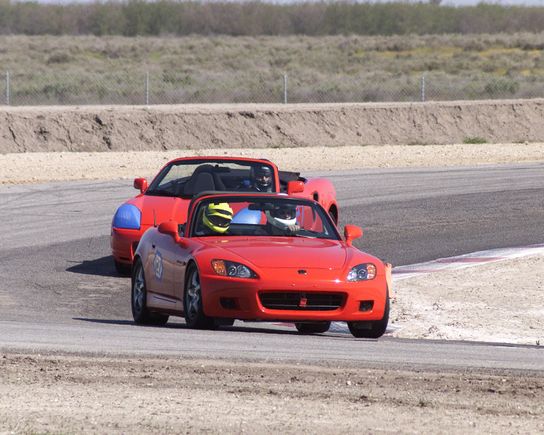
312 327
371 329
192 302
140 312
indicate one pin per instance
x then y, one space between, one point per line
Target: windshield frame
153 190
199 202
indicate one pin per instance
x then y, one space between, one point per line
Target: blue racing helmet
247 216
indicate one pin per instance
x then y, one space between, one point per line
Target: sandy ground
78 394
497 302
42 167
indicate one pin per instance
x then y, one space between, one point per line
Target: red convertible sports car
169 194
258 257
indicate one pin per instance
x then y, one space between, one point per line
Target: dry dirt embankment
124 128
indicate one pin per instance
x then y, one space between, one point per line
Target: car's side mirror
352 232
295 187
140 184
170 228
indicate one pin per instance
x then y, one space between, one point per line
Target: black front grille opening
366 305
302 301
229 303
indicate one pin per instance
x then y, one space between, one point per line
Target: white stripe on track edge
466 260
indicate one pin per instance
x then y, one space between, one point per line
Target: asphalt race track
59 290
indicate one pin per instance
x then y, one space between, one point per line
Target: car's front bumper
124 243
244 299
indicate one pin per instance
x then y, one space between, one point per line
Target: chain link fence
147 88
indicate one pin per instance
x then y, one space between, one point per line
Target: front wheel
140 312
192 302
371 329
312 327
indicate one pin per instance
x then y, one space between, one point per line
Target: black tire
138 296
192 302
371 329
122 268
312 327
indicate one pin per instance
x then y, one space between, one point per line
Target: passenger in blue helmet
247 216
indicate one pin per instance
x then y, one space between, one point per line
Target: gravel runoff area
62 393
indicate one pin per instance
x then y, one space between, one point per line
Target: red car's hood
157 209
285 252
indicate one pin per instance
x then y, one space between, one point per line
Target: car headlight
231 268
362 272
127 216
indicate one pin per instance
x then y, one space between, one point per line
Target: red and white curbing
466 260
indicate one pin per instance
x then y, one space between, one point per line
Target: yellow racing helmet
217 217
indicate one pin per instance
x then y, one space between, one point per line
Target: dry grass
223 68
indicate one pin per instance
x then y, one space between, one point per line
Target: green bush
501 87
474 140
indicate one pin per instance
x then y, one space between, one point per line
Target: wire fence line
147 88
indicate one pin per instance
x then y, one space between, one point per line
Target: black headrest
199 182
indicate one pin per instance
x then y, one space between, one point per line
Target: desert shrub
474 140
501 87
341 68
58 58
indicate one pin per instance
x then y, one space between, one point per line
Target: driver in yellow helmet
216 219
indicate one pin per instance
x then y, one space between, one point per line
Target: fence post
285 89
423 88
147 88
7 88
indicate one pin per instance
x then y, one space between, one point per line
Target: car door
179 266
172 258
160 280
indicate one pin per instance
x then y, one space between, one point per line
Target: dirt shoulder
78 394
497 302
63 166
